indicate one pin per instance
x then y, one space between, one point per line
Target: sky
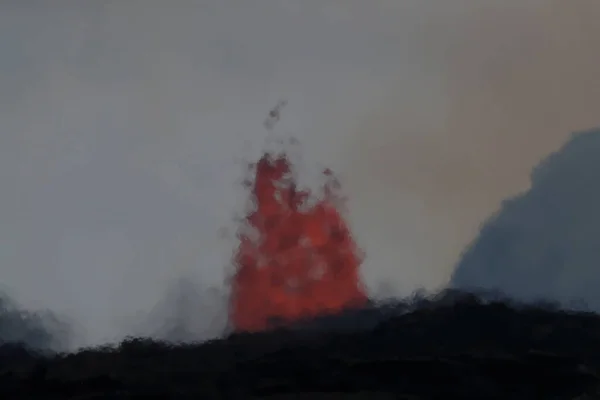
125 126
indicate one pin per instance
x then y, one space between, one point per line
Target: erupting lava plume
295 261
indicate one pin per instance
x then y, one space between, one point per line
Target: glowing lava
295 261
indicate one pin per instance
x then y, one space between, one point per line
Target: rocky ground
453 346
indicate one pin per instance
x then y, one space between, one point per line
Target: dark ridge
453 345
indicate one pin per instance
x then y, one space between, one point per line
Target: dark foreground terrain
453 346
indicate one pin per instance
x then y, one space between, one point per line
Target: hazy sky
123 125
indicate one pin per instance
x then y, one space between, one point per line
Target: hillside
452 346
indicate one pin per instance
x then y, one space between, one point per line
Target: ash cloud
543 244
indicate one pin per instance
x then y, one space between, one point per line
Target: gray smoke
42 330
186 313
543 244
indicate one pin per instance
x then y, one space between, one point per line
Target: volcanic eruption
296 258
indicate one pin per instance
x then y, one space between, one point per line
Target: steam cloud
122 123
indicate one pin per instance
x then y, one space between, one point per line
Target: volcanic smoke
295 261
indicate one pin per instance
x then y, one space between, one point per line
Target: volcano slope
453 345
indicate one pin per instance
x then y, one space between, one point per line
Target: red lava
294 261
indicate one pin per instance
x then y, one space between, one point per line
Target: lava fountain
297 258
